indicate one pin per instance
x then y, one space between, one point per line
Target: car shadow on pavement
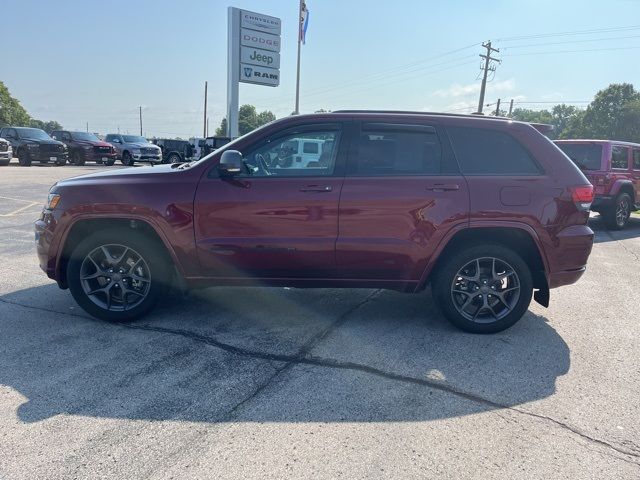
269 355
603 234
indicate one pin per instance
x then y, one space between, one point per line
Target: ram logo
248 71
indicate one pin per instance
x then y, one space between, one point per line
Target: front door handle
316 188
443 187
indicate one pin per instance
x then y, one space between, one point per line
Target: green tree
46 126
608 114
11 112
248 120
562 117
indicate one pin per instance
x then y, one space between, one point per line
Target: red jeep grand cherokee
485 210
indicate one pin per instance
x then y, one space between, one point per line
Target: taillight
582 196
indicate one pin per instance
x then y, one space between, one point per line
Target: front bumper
43 228
143 157
93 156
45 157
7 155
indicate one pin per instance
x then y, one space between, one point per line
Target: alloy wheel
485 290
622 212
115 277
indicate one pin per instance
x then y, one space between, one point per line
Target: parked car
174 151
614 170
6 152
134 148
85 146
34 144
485 210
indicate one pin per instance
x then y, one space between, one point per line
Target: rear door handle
316 188
443 187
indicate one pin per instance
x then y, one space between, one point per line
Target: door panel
277 219
267 227
402 193
390 226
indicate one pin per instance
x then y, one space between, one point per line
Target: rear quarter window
490 152
619 157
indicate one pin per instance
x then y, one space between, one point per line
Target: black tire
173 158
157 269
4 163
110 162
77 159
61 162
447 290
24 159
617 217
127 159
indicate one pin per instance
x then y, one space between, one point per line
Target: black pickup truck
34 144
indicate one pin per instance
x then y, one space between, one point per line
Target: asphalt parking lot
286 383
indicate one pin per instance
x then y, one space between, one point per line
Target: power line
571 41
569 33
552 52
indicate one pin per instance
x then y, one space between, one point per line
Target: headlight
52 201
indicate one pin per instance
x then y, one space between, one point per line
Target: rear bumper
572 248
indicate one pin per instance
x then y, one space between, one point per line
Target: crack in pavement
304 358
624 247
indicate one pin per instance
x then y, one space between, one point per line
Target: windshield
587 156
89 137
134 139
34 133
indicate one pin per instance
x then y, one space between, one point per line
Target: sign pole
297 110
233 72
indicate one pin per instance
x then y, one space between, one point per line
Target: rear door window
396 150
620 157
636 159
490 152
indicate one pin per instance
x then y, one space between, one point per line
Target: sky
79 61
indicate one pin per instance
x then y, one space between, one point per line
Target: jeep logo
262 58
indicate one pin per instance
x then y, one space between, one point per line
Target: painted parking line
19 210
17 199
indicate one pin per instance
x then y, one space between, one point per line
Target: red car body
339 230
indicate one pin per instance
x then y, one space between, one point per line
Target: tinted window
619 157
636 159
586 156
310 147
279 156
397 152
490 152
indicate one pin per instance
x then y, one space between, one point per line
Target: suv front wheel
117 275
483 289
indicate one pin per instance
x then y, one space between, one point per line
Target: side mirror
230 162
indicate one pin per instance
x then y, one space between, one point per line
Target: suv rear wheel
117 275
483 289
618 215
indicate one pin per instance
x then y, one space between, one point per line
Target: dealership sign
253 56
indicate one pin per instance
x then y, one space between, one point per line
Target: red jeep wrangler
485 210
614 170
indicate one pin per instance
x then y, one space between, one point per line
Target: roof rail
408 112
541 127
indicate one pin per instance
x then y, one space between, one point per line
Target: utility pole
87 127
486 68
301 9
140 108
205 127
498 108
510 108
207 130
